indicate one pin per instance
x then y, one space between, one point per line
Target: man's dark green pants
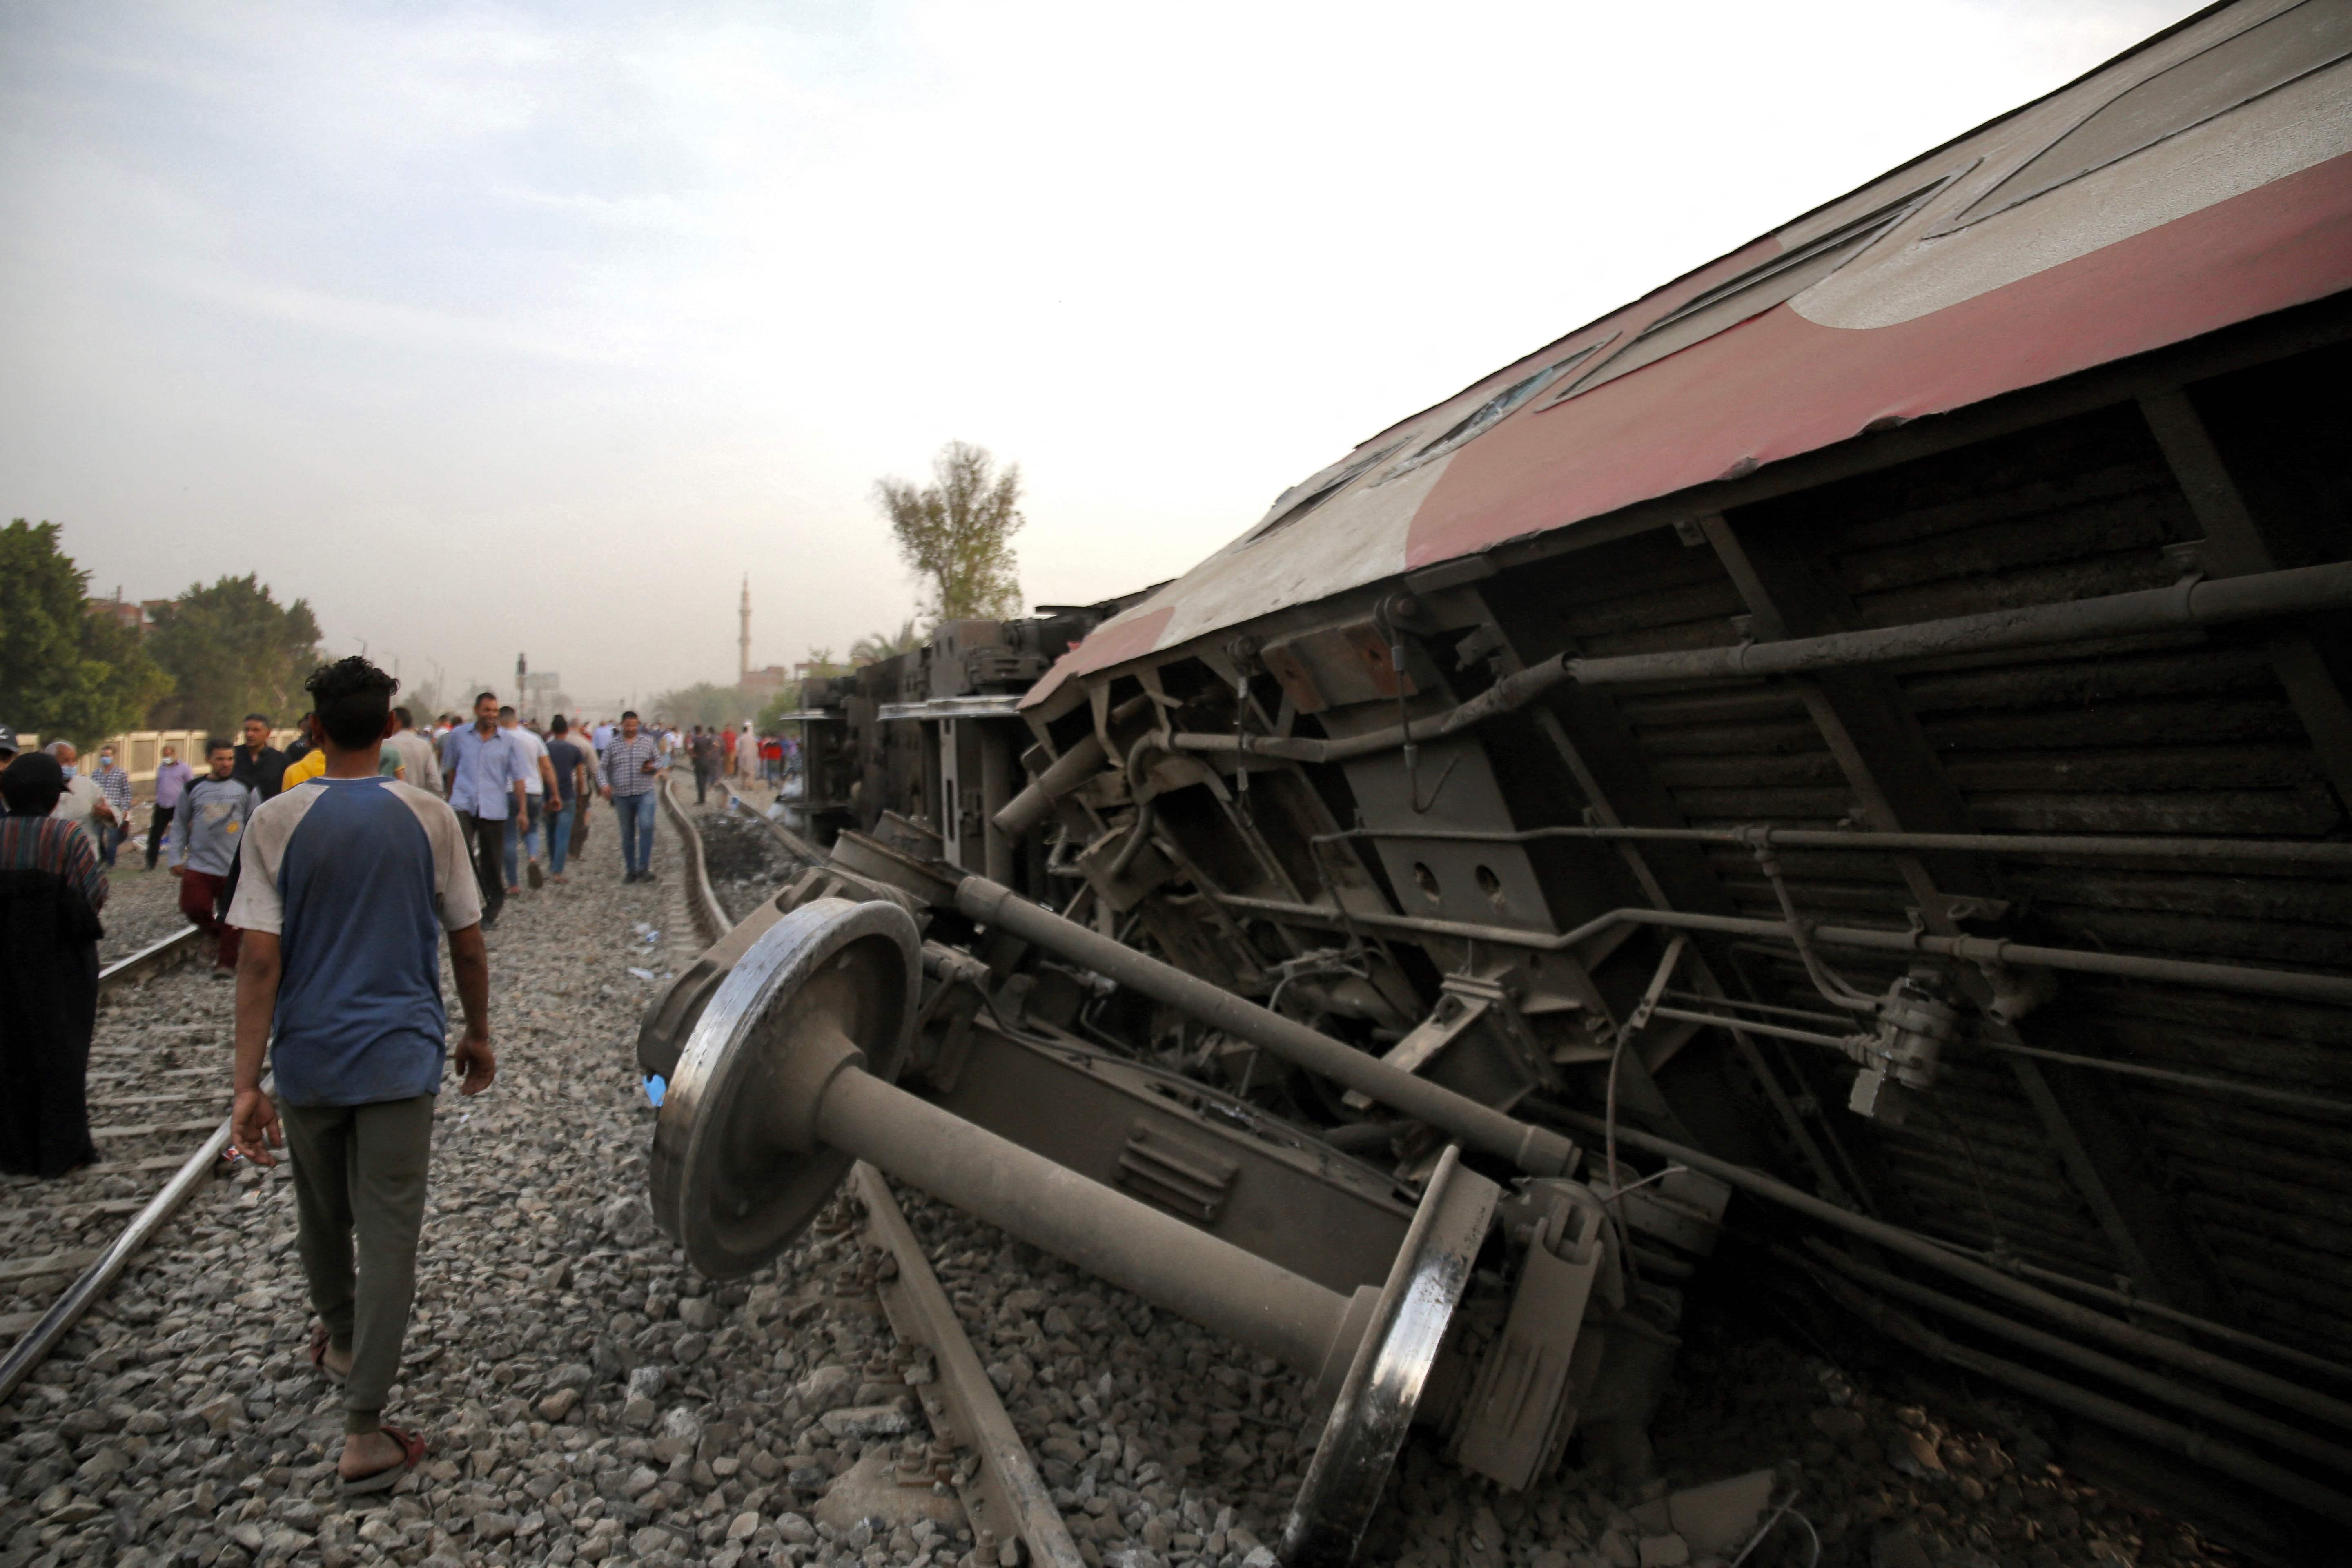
359 1176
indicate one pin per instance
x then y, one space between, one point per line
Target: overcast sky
491 328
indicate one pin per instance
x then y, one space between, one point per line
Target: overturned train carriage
1859 734
934 735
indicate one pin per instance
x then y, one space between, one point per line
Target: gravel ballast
142 907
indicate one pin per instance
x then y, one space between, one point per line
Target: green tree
233 650
957 533
64 674
875 646
701 703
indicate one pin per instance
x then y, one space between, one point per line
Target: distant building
133 614
765 683
543 696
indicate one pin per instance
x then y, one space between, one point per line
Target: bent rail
702 905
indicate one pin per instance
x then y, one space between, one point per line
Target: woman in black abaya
50 893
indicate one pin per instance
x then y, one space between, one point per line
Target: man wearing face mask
115 785
173 778
83 805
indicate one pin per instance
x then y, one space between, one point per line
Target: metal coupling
1915 1022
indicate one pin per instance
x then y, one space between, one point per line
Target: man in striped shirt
633 768
115 785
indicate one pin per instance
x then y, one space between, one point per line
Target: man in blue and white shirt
349 881
484 772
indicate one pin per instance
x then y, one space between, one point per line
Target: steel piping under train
1850 751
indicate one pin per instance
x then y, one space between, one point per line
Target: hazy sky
499 328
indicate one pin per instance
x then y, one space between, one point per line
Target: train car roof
2202 179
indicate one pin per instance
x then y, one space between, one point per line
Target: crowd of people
327 874
201 804
519 793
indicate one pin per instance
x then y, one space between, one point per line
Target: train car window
2234 72
1770 282
1319 492
1493 411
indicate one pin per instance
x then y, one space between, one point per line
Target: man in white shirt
83 804
418 764
539 780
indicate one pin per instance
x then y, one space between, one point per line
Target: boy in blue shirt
346 884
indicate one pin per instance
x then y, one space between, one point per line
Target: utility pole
743 641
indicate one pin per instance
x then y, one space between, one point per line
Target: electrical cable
1385 622
1757 1540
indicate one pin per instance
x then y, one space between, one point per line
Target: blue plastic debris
655 1089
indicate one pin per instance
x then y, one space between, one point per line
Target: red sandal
411 1455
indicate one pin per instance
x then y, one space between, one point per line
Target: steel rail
36 1343
702 905
66 1310
1010 1499
1991 951
154 957
800 848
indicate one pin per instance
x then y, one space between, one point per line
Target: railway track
143 1101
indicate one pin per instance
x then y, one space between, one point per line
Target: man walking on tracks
212 815
173 778
632 767
702 748
350 879
483 772
574 767
415 754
